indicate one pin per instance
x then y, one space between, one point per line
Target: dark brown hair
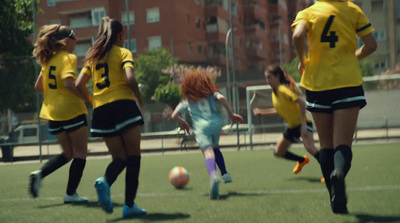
107 34
283 77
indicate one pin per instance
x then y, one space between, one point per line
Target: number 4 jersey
109 81
332 27
59 103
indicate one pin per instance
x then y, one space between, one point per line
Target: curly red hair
197 84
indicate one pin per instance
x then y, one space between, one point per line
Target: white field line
260 192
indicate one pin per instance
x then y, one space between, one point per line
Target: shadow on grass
367 218
238 194
156 217
90 204
308 179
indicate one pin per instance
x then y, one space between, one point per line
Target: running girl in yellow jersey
116 116
63 106
293 110
332 78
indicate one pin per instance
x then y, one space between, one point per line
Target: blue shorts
208 137
113 118
293 134
331 100
71 125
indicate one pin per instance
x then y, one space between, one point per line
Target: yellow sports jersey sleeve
332 27
285 104
109 77
59 103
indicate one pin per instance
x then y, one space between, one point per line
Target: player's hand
256 111
236 118
186 127
301 67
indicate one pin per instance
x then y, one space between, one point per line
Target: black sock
53 164
75 174
342 159
327 165
317 156
291 156
219 159
113 170
132 179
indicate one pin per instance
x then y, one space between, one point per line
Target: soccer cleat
103 193
299 165
75 198
227 178
214 187
338 194
34 183
133 211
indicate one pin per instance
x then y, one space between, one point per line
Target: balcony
256 54
256 31
255 11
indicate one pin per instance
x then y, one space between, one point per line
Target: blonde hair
50 39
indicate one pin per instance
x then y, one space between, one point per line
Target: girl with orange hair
200 95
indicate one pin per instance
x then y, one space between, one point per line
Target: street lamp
228 78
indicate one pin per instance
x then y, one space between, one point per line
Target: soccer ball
178 176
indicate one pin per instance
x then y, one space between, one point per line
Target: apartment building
194 30
385 18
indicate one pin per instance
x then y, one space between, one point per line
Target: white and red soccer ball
178 176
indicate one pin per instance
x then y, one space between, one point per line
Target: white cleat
34 183
75 198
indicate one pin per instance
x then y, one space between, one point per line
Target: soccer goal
382 111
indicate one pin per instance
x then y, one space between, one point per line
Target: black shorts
293 134
113 118
71 125
331 100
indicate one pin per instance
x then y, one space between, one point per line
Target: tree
149 71
292 69
16 63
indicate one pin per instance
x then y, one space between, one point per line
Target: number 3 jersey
59 103
109 81
332 27
203 113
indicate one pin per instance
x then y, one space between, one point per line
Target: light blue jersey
207 122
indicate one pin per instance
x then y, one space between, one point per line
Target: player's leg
79 139
209 156
308 142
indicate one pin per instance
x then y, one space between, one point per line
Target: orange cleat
299 165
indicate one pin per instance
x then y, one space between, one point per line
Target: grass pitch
263 190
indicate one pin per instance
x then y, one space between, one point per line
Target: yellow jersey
109 81
332 27
285 104
59 103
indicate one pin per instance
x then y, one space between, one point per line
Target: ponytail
106 37
284 78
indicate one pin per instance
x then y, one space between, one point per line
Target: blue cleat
214 187
103 193
133 211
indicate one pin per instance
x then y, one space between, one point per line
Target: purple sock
210 164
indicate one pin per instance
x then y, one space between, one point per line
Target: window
97 14
199 48
80 22
30 132
198 23
81 49
52 22
133 45
189 45
154 42
377 5
124 18
380 35
153 15
51 2
187 19
398 11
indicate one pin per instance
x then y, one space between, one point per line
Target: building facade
385 18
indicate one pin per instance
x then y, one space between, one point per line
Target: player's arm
81 86
264 111
69 83
176 116
299 40
234 117
39 84
368 48
133 84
